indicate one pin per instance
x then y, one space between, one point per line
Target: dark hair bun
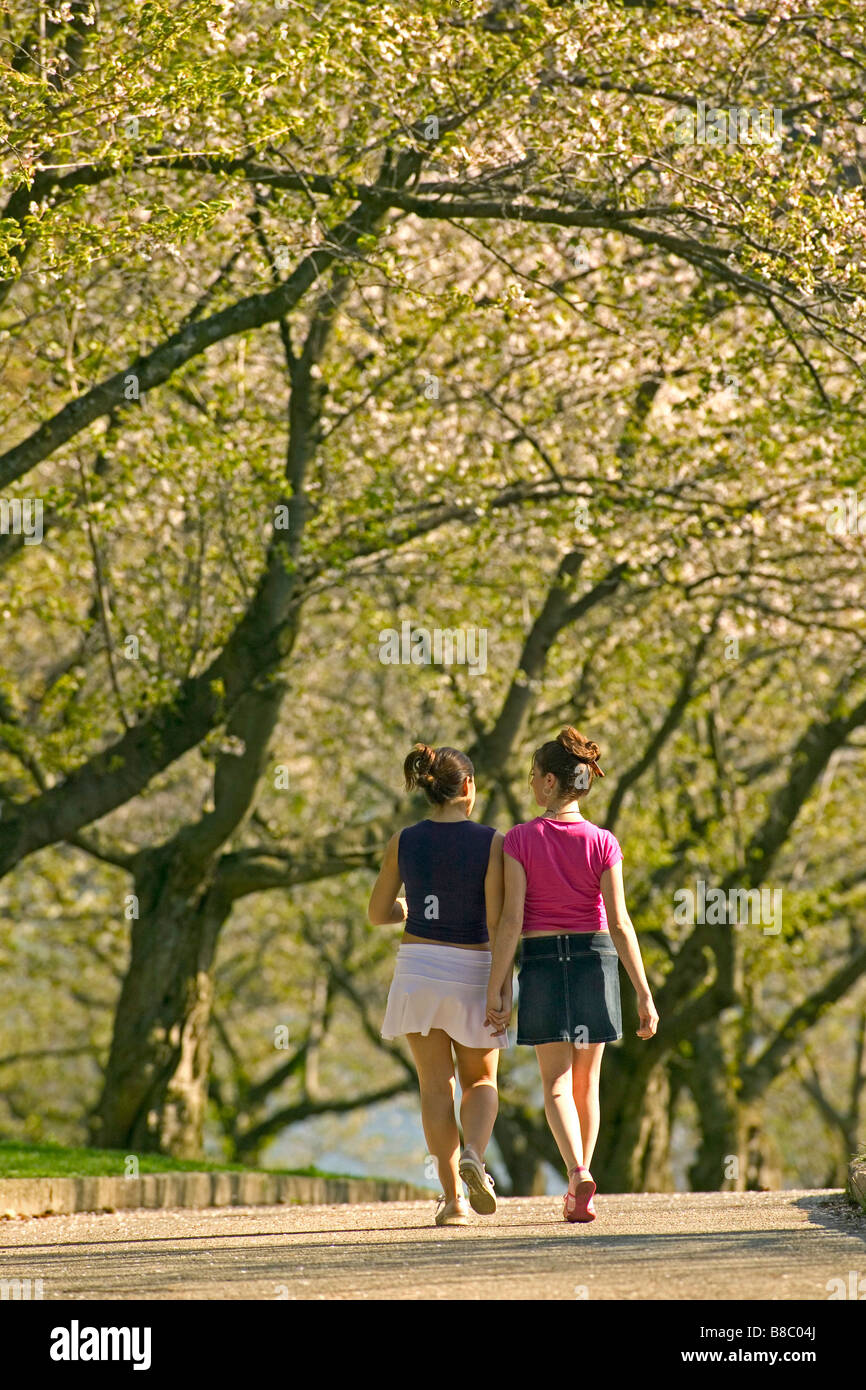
418 765
441 772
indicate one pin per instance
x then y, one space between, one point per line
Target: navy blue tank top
443 865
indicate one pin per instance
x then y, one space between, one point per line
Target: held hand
498 1010
648 1017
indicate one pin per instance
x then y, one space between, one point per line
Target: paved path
756 1245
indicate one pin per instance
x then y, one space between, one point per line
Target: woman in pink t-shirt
564 893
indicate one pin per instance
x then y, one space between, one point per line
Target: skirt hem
433 990
538 1042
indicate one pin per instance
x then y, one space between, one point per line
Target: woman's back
563 862
443 865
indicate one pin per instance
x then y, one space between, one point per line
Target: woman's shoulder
608 845
520 831
599 831
412 832
494 840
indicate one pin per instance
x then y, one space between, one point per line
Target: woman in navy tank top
451 868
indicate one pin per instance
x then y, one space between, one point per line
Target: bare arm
508 932
493 886
385 906
625 940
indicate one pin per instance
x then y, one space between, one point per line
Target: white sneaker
451 1213
482 1198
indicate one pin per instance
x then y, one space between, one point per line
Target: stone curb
857 1180
60 1196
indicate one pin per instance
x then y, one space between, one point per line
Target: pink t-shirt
563 862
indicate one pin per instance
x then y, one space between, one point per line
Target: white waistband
436 948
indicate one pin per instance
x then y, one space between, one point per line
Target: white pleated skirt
441 987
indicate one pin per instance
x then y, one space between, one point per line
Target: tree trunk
155 1092
721 1157
518 1135
154 1095
156 1085
633 1149
763 1170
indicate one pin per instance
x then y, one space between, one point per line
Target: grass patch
57 1161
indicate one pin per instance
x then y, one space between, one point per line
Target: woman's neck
569 808
449 813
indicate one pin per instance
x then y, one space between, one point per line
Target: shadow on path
835 1212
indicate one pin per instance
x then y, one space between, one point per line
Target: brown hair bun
579 747
563 756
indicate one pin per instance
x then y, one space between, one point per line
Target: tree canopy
539 320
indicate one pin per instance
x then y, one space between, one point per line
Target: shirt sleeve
513 844
611 853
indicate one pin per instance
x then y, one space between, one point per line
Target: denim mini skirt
568 989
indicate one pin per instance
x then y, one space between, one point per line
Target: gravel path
755 1245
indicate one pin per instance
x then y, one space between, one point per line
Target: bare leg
555 1065
585 1071
476 1068
435 1066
